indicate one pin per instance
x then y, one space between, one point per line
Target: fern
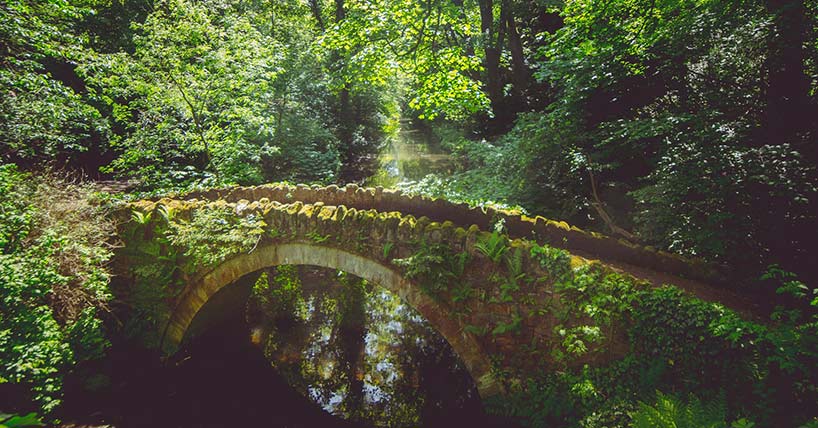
434 267
510 284
494 246
511 327
462 293
166 212
514 263
457 264
671 412
317 237
475 330
387 249
141 218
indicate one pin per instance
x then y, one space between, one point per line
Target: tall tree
45 112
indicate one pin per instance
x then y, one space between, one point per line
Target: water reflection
410 156
357 350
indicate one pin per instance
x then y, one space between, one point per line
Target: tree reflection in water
358 350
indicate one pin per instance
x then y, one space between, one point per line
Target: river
294 347
409 156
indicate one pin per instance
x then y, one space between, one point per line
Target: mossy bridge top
507 302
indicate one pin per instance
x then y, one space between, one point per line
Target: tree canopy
686 125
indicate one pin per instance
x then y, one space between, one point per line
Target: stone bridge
503 301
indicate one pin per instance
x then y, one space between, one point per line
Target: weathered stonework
557 233
493 321
464 344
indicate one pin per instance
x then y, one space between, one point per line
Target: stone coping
517 225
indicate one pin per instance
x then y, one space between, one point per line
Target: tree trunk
462 15
520 72
494 87
344 115
316 13
197 122
789 110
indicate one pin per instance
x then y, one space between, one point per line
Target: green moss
340 214
326 213
307 211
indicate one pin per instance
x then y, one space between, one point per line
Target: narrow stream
294 347
409 156
358 351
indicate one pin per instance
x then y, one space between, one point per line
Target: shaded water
359 351
309 347
218 380
411 155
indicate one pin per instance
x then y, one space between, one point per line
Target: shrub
53 250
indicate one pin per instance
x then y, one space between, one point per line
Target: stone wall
539 229
370 244
511 313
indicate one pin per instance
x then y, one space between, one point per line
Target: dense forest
690 126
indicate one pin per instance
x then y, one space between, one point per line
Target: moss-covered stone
354 227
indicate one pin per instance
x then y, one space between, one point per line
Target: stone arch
200 290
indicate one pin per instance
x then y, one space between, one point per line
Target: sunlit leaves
422 45
41 117
51 279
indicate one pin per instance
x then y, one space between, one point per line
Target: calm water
410 156
358 351
294 347
218 380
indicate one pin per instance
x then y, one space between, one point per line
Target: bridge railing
556 233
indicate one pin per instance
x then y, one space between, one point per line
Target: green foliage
493 246
434 267
555 261
141 218
514 275
787 283
13 421
215 93
86 336
163 246
475 330
377 41
678 343
317 237
281 296
53 250
547 402
351 303
462 292
689 123
601 297
387 249
712 224
720 348
670 412
45 118
658 127
512 326
155 266
214 234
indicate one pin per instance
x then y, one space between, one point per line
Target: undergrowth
54 246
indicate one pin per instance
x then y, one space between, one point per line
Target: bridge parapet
539 229
505 305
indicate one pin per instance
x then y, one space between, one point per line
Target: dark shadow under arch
200 290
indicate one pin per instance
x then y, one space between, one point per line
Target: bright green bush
671 412
733 369
52 281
